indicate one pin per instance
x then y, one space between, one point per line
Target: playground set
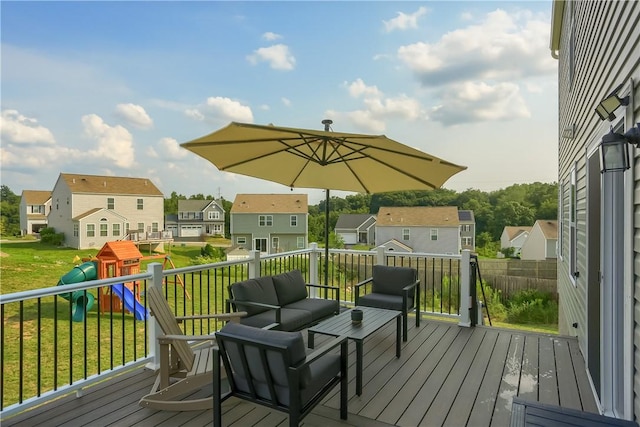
115 259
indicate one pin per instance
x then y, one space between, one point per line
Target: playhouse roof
120 250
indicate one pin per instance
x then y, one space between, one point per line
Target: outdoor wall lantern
607 106
614 149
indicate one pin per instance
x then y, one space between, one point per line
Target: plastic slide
129 300
81 301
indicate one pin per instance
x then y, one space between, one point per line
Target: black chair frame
296 410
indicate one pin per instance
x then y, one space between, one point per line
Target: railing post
465 286
254 264
380 260
155 269
314 268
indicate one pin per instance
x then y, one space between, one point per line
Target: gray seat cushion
260 290
388 302
290 319
290 287
390 280
319 308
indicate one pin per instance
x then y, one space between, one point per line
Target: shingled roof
35 197
95 184
270 203
441 216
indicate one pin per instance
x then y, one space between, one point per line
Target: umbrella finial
327 124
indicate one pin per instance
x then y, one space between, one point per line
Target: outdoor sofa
282 301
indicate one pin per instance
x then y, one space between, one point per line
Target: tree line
518 204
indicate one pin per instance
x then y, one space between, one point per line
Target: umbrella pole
326 240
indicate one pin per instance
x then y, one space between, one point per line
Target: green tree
9 212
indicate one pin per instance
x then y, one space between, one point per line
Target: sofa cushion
260 290
290 287
318 307
290 320
390 280
292 341
386 301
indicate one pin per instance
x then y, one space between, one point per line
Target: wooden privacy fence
512 276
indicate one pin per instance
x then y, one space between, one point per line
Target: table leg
358 367
398 332
310 339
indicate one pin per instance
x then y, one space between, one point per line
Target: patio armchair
271 368
392 288
183 368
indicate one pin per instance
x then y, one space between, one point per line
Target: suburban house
542 241
197 218
597 45
356 229
514 236
91 210
270 223
467 229
34 205
421 228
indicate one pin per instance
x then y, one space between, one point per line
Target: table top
372 320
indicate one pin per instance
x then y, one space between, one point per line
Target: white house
421 228
34 205
597 44
514 237
542 241
91 210
356 229
197 218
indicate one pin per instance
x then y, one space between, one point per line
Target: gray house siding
247 226
448 241
599 49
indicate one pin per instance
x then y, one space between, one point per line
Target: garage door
191 231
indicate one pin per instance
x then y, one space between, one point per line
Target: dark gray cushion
386 301
390 280
319 308
292 341
260 289
290 320
290 287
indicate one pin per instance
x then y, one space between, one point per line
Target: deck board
447 375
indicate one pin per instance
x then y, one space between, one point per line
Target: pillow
290 287
260 290
390 280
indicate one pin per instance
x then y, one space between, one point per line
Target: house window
434 234
406 235
265 220
300 242
466 241
104 230
573 234
293 220
561 218
91 230
76 230
261 245
466 227
217 228
115 229
214 215
111 203
141 226
140 204
154 227
275 242
241 240
126 227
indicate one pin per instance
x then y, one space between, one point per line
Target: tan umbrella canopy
306 158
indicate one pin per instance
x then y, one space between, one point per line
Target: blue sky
113 88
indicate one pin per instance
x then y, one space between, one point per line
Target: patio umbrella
306 158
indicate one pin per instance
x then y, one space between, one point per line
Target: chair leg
217 390
344 380
404 326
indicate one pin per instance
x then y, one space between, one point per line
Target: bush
532 307
207 251
49 235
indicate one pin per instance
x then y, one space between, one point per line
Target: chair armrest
168 339
321 351
254 304
219 316
411 286
335 289
364 282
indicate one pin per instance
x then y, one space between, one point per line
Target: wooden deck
447 375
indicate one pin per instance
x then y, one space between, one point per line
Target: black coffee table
372 320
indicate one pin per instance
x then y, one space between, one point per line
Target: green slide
80 302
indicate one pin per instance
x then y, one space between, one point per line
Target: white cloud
358 88
502 46
19 129
286 102
229 109
478 102
115 143
194 114
134 115
271 36
171 149
278 56
404 21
